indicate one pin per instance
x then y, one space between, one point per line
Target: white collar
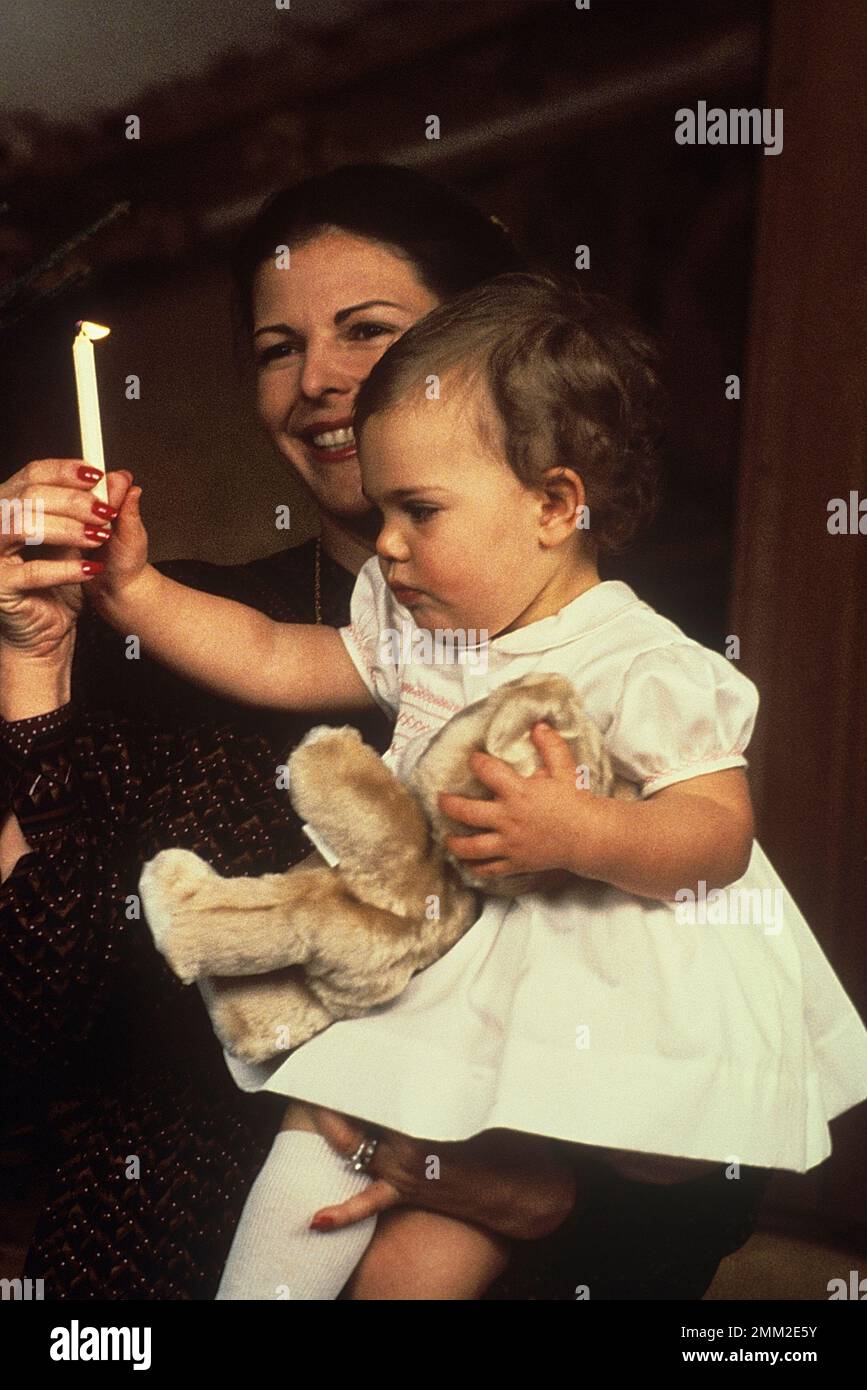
581 615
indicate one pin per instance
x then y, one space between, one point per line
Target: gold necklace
317 582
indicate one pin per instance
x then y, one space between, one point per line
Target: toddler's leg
419 1254
274 1253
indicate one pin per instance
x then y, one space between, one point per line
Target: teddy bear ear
521 703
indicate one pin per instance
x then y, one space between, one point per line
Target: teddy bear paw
321 767
323 731
168 885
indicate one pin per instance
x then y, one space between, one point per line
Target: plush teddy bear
280 957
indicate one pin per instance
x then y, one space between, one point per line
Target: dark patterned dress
111 1071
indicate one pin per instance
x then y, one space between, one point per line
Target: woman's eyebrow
368 304
339 317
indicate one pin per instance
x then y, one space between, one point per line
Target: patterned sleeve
683 711
376 636
53 952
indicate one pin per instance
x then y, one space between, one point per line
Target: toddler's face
459 536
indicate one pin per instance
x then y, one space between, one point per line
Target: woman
157 1165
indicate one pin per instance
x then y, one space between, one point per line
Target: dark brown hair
573 381
451 243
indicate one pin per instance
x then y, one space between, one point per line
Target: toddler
669 1018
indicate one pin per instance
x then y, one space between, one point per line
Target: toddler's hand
544 821
125 556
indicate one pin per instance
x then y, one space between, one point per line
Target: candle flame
92 330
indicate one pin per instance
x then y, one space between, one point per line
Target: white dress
612 1022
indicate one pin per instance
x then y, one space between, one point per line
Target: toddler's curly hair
572 379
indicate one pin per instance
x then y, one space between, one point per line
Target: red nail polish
95 533
104 510
322 1223
89 475
92 567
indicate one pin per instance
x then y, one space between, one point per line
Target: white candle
88 400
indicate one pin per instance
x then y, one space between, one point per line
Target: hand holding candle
88 400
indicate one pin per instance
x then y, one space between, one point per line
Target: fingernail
104 510
92 567
322 1223
95 533
89 475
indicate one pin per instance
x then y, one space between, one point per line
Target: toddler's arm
701 828
234 650
216 642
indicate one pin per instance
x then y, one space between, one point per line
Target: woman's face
319 325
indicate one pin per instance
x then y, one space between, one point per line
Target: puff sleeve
374 636
683 711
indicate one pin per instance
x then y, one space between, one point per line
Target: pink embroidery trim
422 693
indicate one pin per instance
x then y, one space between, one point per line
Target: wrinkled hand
42 544
518 1185
544 821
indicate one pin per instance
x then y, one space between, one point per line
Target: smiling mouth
332 443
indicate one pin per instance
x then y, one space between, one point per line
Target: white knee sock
274 1253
